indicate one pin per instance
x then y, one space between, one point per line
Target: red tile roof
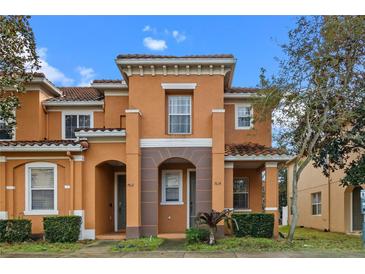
112 81
251 149
45 143
241 90
144 56
78 94
100 129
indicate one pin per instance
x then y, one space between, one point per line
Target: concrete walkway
101 249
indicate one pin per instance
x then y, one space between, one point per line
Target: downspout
329 200
45 110
71 158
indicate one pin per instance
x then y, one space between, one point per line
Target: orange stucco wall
173 218
260 133
147 95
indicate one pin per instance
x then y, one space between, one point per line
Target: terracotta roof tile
112 81
251 149
99 129
45 143
78 94
144 56
241 90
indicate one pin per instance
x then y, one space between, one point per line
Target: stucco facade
119 161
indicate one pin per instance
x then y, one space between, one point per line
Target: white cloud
51 72
154 44
179 37
86 74
148 28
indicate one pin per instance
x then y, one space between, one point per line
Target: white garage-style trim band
178 85
176 142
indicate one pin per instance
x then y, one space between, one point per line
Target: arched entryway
177 195
357 217
110 197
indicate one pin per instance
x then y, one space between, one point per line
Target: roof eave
276 158
73 103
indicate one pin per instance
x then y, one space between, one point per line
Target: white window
171 187
316 203
74 120
243 116
41 189
240 193
179 114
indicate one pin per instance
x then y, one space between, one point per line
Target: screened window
316 203
41 187
171 186
73 121
6 132
179 115
243 116
240 193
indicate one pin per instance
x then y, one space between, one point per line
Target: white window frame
13 138
78 112
28 192
168 114
163 187
316 204
248 194
237 106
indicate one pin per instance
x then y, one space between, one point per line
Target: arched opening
357 217
176 195
110 197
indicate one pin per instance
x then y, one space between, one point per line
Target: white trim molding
39 158
79 158
3 215
228 165
271 164
178 85
133 111
82 133
214 110
271 208
40 148
28 191
123 93
72 103
241 95
275 157
176 142
242 210
2 159
10 187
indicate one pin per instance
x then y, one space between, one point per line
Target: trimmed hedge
15 230
260 225
62 229
197 235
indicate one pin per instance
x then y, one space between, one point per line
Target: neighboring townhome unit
323 203
143 155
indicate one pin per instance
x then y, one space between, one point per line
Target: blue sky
77 49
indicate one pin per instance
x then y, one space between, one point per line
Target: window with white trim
243 116
6 132
179 114
41 187
171 187
240 193
316 203
73 121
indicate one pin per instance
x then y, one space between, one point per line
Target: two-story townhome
143 155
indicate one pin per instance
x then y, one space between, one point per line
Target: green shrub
259 225
16 230
62 229
197 235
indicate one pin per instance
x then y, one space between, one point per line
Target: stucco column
272 193
228 185
3 212
133 128
218 163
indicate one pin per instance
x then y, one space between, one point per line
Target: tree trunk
211 236
294 204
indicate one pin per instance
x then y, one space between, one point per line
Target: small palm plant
212 219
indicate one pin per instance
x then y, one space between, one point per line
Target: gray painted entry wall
201 157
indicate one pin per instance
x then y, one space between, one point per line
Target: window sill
40 212
243 128
171 203
242 210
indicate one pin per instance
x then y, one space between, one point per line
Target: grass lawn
39 246
305 239
142 244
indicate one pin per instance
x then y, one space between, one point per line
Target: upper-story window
243 116
179 114
72 121
6 132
